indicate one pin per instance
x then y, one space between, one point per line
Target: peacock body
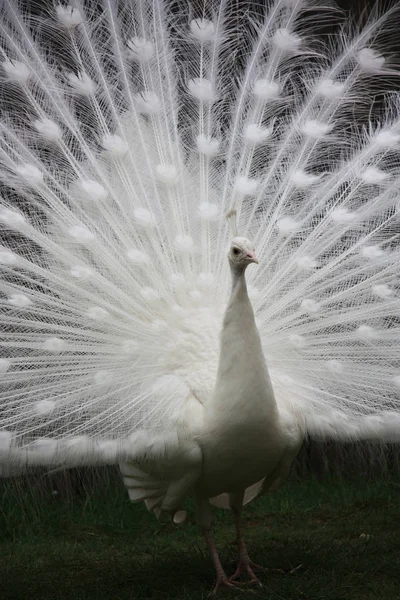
128 131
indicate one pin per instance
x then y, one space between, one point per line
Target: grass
98 546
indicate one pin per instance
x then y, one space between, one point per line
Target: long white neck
242 373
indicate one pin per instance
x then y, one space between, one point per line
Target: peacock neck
243 378
239 315
238 283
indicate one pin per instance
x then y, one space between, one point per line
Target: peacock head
241 253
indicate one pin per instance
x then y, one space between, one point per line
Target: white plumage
128 131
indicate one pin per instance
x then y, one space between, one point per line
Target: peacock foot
246 567
224 584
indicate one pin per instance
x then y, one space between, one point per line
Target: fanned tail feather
128 131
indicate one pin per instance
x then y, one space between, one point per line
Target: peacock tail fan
128 130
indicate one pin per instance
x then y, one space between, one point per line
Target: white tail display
130 130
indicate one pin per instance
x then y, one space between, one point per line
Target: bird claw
295 569
224 584
247 567
255 567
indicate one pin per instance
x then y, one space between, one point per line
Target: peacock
199 254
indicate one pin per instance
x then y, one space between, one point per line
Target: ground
342 536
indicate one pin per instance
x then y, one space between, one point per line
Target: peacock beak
252 257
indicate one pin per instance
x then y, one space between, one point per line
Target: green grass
98 546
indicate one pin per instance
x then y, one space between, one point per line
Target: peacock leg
222 579
204 518
245 565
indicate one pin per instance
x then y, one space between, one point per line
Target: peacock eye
236 251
